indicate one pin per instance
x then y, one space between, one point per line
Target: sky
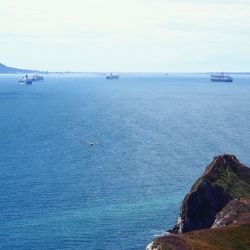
126 35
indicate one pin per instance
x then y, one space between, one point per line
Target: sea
95 164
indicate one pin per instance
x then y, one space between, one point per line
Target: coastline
217 208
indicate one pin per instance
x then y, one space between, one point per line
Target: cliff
219 199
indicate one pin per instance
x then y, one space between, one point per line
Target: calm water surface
154 135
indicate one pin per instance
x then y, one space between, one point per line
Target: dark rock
224 179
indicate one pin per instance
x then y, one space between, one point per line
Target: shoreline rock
219 198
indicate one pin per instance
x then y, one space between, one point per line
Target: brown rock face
235 212
200 207
222 181
219 205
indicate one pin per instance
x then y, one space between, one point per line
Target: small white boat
25 80
36 77
112 77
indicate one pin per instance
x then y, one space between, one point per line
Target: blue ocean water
154 135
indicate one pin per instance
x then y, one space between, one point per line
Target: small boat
89 143
25 80
221 77
36 77
112 77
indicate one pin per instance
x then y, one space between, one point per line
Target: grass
230 238
235 237
233 184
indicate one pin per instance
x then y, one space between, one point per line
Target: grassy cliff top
231 225
227 172
230 238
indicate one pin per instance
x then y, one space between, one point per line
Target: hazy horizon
180 36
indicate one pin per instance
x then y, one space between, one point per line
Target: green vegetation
224 179
233 185
230 238
235 237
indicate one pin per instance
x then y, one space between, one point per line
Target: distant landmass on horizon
10 70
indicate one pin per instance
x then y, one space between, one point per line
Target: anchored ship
36 77
25 80
221 77
112 77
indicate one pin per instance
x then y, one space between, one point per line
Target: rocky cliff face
219 199
224 180
235 212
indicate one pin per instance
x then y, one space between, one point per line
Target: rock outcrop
224 180
233 213
217 205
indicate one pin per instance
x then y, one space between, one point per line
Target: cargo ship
36 77
112 77
221 77
25 80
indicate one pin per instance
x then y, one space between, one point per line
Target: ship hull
222 80
25 83
112 77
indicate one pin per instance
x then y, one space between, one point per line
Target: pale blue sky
126 35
